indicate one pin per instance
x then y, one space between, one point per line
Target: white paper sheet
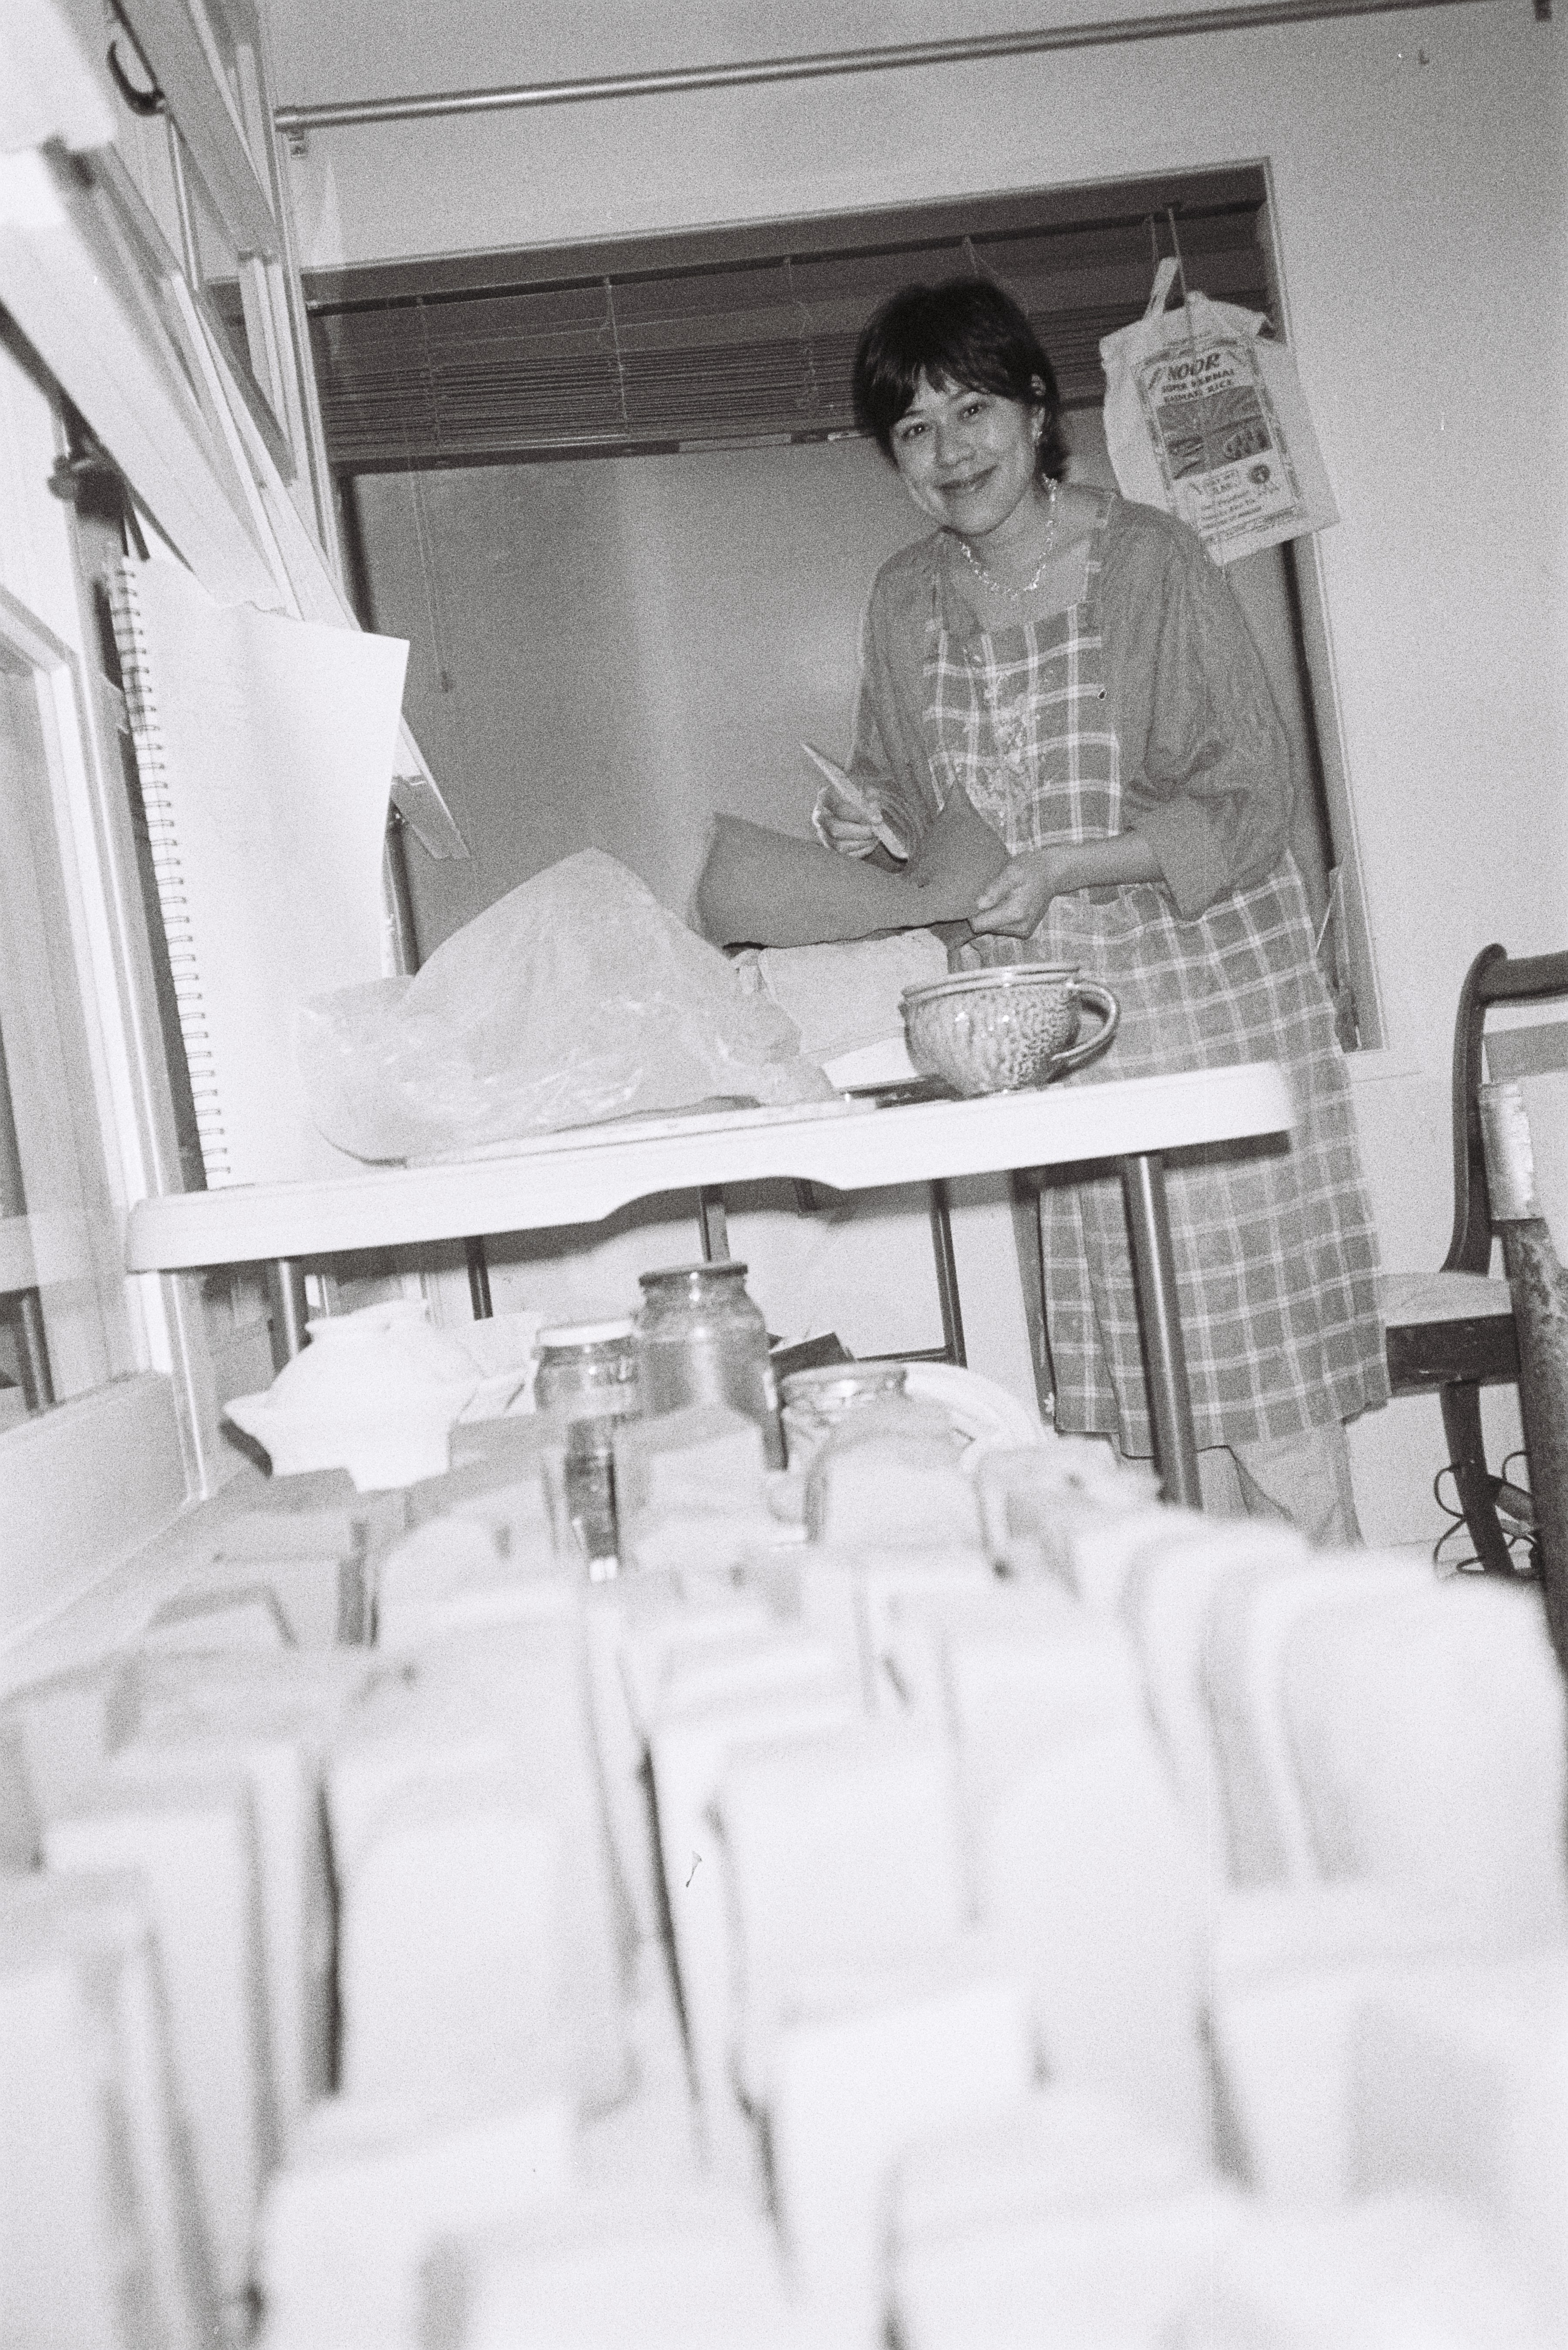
265 747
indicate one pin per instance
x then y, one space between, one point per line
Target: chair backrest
1495 977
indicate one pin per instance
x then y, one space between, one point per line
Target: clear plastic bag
576 997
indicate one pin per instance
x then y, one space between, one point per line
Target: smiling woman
961 403
1076 668
971 459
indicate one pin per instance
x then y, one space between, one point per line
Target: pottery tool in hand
855 800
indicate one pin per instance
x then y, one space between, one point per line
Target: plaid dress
1273 1243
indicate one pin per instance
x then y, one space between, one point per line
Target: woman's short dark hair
965 336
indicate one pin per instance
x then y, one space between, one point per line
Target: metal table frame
580 1179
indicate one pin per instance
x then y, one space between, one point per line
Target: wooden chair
1453 1331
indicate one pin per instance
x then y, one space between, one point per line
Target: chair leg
1467 1454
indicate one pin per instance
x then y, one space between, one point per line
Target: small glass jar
816 1402
700 1340
586 1374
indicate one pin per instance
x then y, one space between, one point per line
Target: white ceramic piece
869 2061
90 1934
370 2188
260 1743
996 1030
194 1842
840 1851
1084 1866
1291 1971
1394 2274
1105 2276
1460 2084
986 1414
375 1392
1430 1737
660 2269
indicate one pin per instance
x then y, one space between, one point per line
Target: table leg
285 1295
947 1275
1165 1356
714 1224
478 1279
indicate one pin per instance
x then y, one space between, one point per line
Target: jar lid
723 1265
584 1333
844 1382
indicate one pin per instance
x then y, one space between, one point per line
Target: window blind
727 337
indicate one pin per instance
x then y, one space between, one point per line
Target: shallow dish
1003 1030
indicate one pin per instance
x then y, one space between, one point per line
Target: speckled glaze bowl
1002 1031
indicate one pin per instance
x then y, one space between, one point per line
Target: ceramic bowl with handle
1002 1031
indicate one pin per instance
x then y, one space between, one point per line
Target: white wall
629 646
1417 163
604 652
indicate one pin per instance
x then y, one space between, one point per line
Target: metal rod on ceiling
964 49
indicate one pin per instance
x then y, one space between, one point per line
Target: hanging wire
812 397
988 268
1204 422
421 526
455 773
612 323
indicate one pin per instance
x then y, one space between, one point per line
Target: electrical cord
1511 1502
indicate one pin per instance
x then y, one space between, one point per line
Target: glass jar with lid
586 1374
815 1401
700 1339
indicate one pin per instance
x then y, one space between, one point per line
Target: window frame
95 1474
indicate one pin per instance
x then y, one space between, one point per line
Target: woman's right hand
839 824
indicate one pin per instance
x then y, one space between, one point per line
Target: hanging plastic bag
576 997
1205 417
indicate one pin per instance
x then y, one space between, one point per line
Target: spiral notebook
265 747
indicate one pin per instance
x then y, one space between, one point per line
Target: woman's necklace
1018 595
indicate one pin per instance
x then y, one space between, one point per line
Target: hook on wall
143 100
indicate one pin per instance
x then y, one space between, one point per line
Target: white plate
979 1407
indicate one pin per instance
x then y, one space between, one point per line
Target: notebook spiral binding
164 835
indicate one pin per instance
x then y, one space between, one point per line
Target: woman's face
967 457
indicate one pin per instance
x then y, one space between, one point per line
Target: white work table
585 1176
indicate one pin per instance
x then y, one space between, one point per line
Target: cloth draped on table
1275 1248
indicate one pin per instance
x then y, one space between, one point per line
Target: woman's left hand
1016 900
